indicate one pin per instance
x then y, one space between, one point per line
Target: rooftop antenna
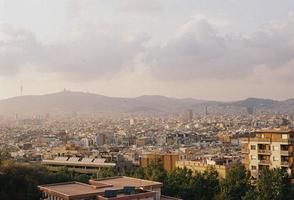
21 90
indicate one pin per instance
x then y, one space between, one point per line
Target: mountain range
80 102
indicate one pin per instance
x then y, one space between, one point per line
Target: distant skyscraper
189 115
21 90
100 139
206 110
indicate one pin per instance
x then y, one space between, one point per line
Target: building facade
269 148
168 160
197 167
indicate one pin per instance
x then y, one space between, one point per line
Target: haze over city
204 49
146 99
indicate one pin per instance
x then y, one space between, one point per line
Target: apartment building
269 148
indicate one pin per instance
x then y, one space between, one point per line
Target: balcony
285 163
284 141
260 140
264 162
285 152
264 151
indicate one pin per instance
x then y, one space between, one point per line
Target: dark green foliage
4 155
20 181
236 184
274 185
106 172
155 173
182 183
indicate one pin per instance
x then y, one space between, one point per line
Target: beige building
196 166
269 148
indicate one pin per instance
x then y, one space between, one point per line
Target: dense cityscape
100 147
146 100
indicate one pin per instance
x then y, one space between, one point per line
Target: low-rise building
80 165
115 188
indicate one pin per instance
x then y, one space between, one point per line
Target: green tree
236 184
273 184
184 184
155 172
4 155
106 172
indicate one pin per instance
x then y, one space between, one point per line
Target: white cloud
198 50
89 54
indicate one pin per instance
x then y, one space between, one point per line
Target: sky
205 49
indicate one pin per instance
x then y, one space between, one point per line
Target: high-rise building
269 148
189 115
206 110
100 139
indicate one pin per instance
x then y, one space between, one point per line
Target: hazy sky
206 49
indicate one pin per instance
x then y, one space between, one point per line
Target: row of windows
274 148
275 158
284 136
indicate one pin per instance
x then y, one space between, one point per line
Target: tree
273 184
155 172
4 155
106 172
236 184
184 184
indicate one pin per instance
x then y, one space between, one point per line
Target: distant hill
80 102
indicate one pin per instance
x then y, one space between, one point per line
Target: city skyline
210 50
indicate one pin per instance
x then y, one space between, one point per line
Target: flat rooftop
121 181
70 190
281 131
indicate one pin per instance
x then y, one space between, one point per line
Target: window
253 167
284 136
253 157
253 147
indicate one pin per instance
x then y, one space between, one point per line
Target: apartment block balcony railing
265 162
286 152
285 163
261 140
264 151
284 141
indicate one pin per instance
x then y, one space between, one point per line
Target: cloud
199 50
141 6
89 53
17 48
